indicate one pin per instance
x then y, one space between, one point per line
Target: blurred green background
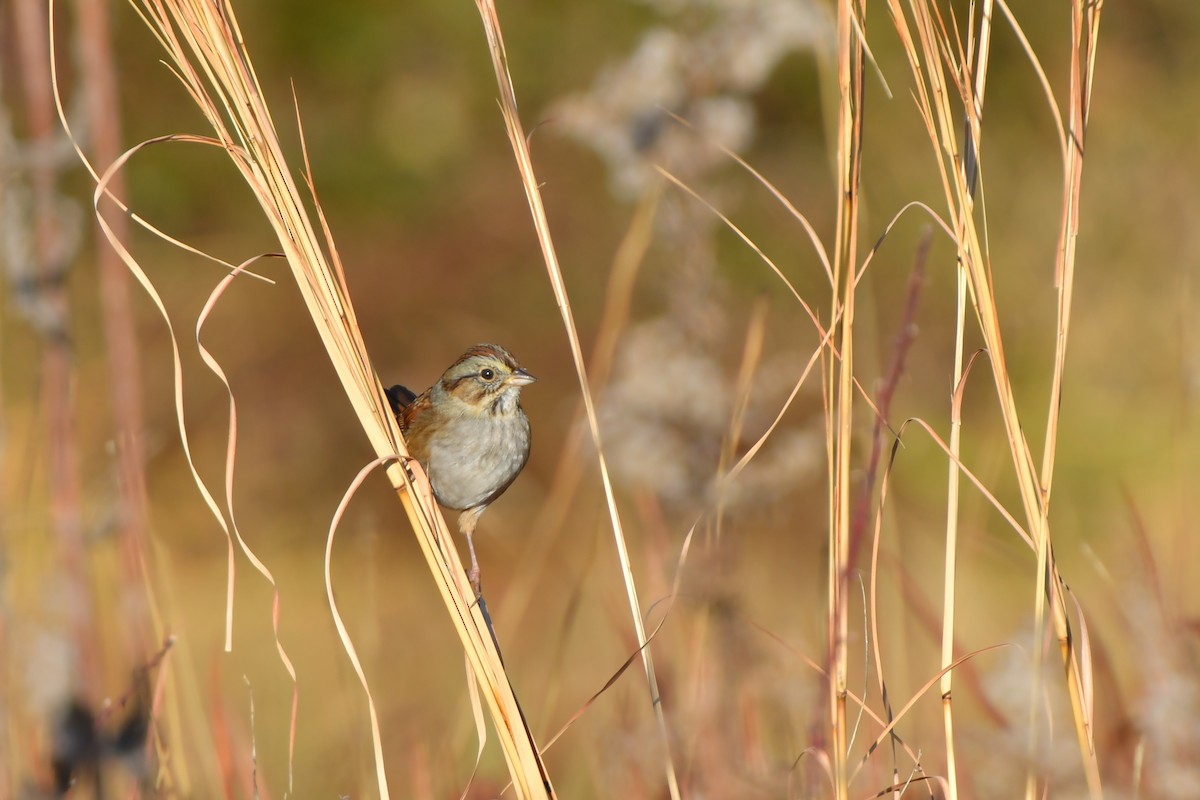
415 174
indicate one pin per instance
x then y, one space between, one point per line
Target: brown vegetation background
415 174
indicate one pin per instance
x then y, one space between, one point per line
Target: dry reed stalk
1085 22
940 73
568 472
520 145
840 384
207 54
950 570
752 351
931 53
979 49
879 411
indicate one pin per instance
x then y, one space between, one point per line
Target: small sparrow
469 432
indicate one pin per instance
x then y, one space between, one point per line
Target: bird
469 433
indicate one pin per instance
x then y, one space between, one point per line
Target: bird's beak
520 377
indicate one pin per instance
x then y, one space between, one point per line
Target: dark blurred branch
82 739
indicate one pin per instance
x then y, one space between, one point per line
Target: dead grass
803 609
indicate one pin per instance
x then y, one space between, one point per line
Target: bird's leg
466 523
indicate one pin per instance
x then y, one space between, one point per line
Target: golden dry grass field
776 271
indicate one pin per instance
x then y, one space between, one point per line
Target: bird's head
486 379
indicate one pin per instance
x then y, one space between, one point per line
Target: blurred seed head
666 417
706 76
667 411
1168 710
36 277
664 413
1001 754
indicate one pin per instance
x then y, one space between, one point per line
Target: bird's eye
487 374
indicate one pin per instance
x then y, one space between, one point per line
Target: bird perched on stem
469 432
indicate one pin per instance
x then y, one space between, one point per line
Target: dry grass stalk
932 54
940 72
569 471
840 384
942 68
205 49
950 572
520 145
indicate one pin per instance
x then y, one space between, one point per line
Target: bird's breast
473 459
